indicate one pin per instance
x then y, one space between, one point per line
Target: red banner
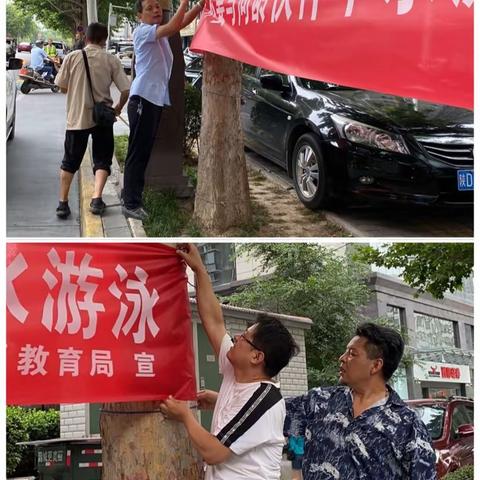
97 323
411 48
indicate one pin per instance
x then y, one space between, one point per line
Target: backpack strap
264 398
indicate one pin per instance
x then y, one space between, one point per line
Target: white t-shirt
257 452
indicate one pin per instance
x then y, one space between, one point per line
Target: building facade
439 338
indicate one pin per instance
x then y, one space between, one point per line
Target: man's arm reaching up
208 305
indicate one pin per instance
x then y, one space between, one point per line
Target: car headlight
373 137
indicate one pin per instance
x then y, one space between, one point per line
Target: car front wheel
309 172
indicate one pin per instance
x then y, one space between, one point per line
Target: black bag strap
88 74
264 398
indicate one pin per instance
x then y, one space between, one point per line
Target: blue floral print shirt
385 442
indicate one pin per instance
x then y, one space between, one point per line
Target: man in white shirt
246 438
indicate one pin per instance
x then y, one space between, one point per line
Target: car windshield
318 85
432 417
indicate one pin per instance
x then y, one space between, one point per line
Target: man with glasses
246 438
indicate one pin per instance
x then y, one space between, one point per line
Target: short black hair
382 342
97 33
139 6
275 341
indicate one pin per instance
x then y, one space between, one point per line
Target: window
462 415
396 316
469 336
219 262
433 332
249 69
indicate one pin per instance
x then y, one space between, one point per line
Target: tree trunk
145 446
222 199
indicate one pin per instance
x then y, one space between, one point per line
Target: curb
113 223
90 225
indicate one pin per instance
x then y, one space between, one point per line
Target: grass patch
256 176
260 218
191 172
121 147
167 218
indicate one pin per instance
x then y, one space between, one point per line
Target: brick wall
74 420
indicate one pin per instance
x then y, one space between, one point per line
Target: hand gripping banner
97 323
410 48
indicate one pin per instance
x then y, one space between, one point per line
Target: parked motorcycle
33 80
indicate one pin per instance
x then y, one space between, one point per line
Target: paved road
33 160
390 221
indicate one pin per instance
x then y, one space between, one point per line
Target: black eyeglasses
248 341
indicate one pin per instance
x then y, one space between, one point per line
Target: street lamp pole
92 15
110 23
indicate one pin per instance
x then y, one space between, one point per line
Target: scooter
32 80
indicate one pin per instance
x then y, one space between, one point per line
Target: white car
13 65
61 49
125 55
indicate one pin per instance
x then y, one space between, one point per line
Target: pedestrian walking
82 94
149 93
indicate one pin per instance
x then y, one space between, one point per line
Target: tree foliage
311 281
67 15
25 424
429 267
20 26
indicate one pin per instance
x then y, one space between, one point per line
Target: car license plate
465 180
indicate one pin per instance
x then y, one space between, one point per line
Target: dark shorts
76 142
297 462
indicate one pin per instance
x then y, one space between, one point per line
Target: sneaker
137 213
63 210
97 206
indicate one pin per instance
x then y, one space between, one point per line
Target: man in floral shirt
362 430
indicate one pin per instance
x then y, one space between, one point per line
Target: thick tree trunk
145 446
222 199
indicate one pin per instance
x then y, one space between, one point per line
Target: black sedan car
338 142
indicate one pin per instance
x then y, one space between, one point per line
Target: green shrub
193 119
464 473
28 424
16 432
121 147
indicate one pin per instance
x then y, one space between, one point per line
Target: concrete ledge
90 225
112 224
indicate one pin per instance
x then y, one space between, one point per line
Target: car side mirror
465 430
272 82
15 63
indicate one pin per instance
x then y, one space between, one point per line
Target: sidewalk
112 224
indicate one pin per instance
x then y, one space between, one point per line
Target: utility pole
92 15
112 20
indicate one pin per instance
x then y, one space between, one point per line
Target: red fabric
411 48
34 283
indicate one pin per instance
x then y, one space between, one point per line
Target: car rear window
432 417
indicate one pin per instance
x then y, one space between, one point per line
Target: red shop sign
410 48
97 323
